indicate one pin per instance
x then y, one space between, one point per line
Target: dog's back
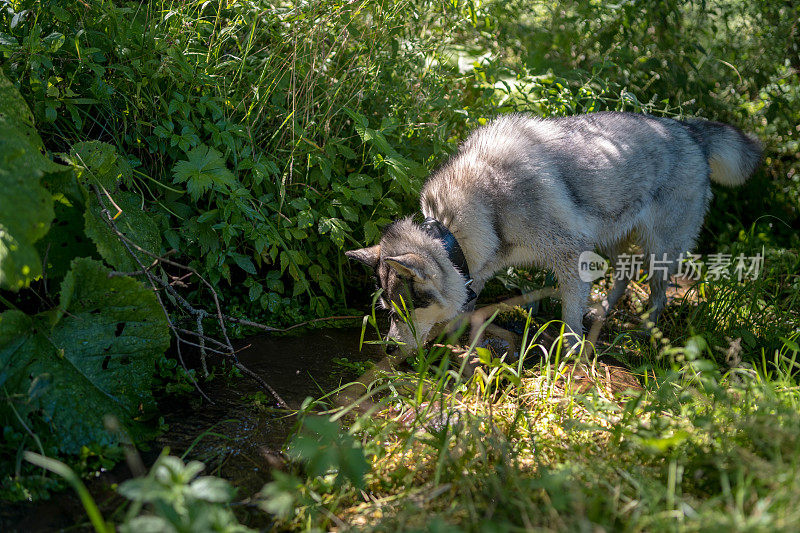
588 179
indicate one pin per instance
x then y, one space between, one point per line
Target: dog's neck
439 231
476 233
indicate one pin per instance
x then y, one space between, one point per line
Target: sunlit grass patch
565 443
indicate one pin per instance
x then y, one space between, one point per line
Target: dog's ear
408 265
368 256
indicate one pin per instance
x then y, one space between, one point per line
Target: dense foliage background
255 141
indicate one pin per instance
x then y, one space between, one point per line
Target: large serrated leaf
26 208
95 356
204 170
100 162
14 110
132 222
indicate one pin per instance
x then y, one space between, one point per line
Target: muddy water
242 436
238 440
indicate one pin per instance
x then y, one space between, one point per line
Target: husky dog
529 191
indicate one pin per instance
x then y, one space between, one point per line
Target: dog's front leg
574 294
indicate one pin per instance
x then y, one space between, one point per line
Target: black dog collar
437 230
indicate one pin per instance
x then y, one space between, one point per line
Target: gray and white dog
529 191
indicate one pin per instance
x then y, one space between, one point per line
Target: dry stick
116 274
478 317
198 313
207 339
125 241
284 330
44 271
202 345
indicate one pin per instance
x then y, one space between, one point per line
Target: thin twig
202 345
261 381
110 222
252 324
225 347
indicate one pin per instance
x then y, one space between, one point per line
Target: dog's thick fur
529 191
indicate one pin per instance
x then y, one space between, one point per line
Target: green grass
702 436
697 450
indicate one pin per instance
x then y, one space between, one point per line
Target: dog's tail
732 155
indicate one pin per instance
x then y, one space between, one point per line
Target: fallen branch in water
290 328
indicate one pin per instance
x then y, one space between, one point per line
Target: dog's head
416 275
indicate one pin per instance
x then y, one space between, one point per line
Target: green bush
95 354
264 137
261 138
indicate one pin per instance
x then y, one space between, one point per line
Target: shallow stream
239 439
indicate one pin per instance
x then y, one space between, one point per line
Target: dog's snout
391 348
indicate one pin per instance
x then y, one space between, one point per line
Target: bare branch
226 347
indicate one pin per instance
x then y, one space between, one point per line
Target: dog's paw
596 313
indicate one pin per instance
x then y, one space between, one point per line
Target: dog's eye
419 298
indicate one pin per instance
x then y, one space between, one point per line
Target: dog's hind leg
661 261
616 292
621 277
621 280
620 284
670 229
662 267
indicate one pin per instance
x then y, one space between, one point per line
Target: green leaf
335 227
371 232
305 219
245 263
64 242
346 151
179 501
55 41
271 301
484 354
100 162
362 196
300 203
8 42
205 169
360 120
348 213
282 495
96 355
211 489
26 208
255 291
358 180
324 448
133 222
161 132
663 444
15 111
